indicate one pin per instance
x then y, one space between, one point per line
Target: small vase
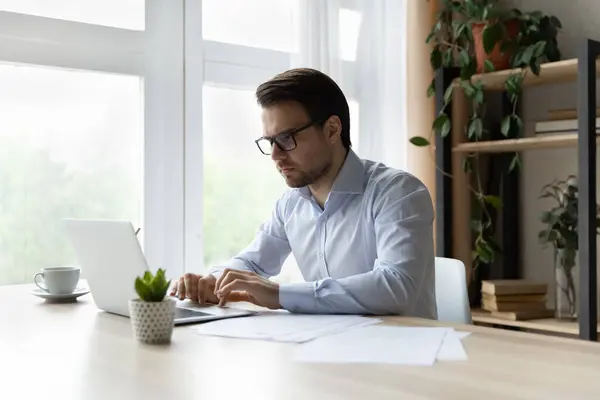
565 269
152 322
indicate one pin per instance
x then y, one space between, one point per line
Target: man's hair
314 90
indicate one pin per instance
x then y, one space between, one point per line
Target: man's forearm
378 292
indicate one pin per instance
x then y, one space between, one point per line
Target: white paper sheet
452 348
386 344
375 344
283 327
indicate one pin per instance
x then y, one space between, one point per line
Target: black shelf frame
587 254
586 148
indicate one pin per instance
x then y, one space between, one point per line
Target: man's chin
294 183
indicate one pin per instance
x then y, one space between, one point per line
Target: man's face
312 156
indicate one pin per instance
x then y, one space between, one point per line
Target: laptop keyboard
185 313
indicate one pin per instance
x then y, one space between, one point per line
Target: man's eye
284 138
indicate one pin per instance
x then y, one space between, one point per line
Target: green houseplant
560 232
485 36
153 313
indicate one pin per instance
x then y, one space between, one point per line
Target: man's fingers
233 275
239 296
191 286
181 288
202 290
226 273
235 285
174 289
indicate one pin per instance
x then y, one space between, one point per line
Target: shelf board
544 324
542 141
563 71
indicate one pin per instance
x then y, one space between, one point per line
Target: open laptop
110 258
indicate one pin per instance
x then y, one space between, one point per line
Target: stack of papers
387 345
345 338
283 326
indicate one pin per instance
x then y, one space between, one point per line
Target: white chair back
451 293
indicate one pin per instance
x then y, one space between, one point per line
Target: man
362 233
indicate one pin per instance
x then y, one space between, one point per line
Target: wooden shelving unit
549 325
453 197
563 71
546 141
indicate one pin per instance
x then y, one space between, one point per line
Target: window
71 145
127 14
257 23
241 185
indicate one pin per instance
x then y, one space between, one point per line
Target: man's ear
333 128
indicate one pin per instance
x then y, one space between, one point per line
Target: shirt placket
322 237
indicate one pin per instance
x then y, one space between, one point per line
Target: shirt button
321 256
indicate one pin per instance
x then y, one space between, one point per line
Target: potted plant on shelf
561 233
485 36
152 314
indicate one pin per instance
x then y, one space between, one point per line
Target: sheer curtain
374 77
361 45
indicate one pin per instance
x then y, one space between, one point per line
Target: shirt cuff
298 297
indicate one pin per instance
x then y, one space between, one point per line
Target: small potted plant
561 233
152 314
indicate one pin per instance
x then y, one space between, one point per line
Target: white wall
580 20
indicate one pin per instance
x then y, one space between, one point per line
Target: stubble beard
307 178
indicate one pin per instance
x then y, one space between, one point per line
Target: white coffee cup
58 280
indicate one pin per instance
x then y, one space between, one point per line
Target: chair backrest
451 292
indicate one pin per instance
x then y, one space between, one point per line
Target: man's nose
277 153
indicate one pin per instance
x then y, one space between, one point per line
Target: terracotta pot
499 59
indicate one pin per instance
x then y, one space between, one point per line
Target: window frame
44 41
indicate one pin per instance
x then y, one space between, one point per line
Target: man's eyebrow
290 130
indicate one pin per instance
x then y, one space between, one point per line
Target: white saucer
60 297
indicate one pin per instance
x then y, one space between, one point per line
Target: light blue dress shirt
368 251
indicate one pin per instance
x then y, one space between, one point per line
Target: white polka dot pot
152 322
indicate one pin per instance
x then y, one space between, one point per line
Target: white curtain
376 79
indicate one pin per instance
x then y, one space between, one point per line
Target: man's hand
196 288
234 285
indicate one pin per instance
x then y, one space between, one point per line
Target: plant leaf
488 66
467 164
555 21
505 128
441 125
431 88
516 126
539 48
436 58
475 128
448 94
494 201
143 289
465 58
419 141
492 34
515 162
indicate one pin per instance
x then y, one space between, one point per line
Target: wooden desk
73 351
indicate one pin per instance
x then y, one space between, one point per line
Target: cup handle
35 280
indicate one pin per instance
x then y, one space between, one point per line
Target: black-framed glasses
286 141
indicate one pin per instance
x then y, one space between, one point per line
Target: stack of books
515 299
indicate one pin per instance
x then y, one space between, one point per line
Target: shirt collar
349 179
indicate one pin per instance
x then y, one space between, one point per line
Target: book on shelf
514 299
512 287
566 113
560 126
